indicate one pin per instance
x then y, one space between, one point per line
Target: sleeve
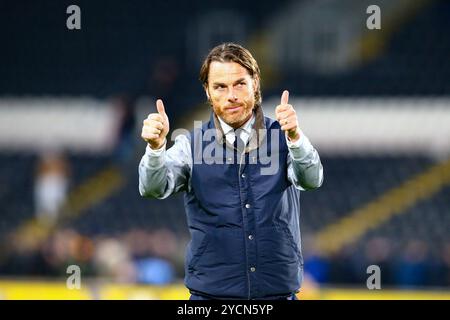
305 171
164 172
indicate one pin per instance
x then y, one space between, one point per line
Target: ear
205 87
256 83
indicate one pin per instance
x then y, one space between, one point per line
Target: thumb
160 107
285 97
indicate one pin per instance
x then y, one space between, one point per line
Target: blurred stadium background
375 103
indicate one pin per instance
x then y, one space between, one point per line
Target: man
244 221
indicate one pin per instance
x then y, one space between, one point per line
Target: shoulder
275 133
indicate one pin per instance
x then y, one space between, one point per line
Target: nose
232 96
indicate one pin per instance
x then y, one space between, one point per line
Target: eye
219 87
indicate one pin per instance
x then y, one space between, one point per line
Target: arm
164 172
305 170
161 172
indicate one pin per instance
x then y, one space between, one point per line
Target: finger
154 123
288 121
283 107
280 108
286 114
160 107
150 136
289 126
156 117
147 136
152 130
158 125
285 97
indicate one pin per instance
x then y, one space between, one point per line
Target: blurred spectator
23 257
378 252
112 259
126 139
440 277
412 268
163 76
445 258
315 264
152 253
154 271
33 254
66 247
163 243
51 185
164 81
346 266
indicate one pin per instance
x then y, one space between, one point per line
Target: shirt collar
247 127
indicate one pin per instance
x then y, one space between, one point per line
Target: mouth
233 108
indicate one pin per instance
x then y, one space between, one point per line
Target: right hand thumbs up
156 127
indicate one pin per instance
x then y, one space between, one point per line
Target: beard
234 118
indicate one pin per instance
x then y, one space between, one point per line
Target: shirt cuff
154 159
300 148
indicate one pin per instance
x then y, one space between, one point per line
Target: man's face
231 91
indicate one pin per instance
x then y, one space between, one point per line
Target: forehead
226 71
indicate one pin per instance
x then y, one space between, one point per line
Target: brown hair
232 52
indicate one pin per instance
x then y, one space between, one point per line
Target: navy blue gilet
244 225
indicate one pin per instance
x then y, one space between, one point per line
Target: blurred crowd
157 257
412 264
136 256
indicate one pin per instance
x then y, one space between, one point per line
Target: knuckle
154 116
155 124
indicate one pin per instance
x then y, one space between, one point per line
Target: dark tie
238 142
